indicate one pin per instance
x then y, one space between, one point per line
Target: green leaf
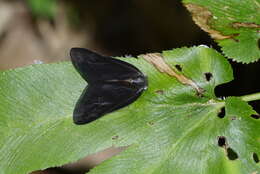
169 129
233 24
43 8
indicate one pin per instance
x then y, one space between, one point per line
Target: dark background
111 27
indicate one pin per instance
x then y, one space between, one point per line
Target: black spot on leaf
255 158
208 76
222 141
222 113
255 116
231 154
178 67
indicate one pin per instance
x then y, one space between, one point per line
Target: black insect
112 84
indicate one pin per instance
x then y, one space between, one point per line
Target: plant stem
251 97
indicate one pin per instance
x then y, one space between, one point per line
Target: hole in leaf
231 154
255 116
222 113
208 76
178 67
222 141
255 158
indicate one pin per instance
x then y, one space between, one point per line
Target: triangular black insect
112 84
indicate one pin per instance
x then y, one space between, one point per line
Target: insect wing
94 67
97 100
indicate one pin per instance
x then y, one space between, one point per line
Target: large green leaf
234 24
169 129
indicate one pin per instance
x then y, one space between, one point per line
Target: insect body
112 84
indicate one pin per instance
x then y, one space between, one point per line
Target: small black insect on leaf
112 84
